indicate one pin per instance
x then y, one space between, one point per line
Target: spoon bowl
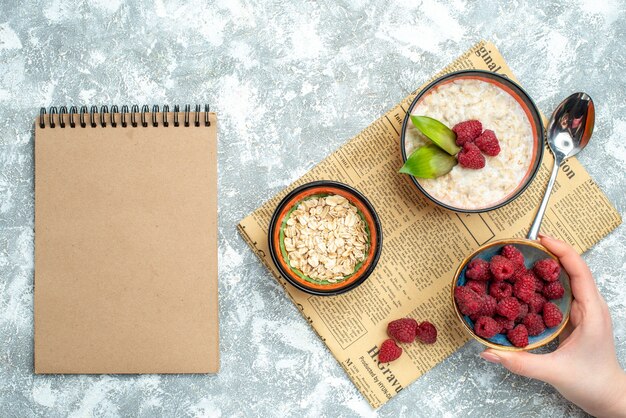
571 125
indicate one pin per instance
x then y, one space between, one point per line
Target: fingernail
490 357
540 235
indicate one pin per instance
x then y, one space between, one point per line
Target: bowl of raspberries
512 295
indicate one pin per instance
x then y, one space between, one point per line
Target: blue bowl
533 252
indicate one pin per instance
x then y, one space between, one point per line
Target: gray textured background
291 81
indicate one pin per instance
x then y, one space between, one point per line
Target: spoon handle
534 229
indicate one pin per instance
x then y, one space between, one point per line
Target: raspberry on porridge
471 99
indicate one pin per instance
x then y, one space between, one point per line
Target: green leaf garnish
428 162
437 132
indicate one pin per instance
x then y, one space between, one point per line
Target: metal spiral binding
134 109
124 112
92 116
61 117
53 111
114 110
166 110
73 111
104 110
83 111
176 111
155 110
62 113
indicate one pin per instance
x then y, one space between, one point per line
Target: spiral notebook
126 240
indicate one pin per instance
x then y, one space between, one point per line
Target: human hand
584 368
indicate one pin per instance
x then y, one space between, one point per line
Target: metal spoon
568 132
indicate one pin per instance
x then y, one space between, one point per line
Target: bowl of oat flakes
325 238
503 108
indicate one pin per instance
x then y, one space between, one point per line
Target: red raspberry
548 269
501 268
478 269
518 336
538 282
403 330
523 311
488 307
519 272
534 324
552 315
486 327
500 290
467 131
488 143
476 286
427 333
470 157
505 323
524 288
468 301
508 307
389 351
513 254
553 290
535 305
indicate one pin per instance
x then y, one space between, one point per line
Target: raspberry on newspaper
389 351
403 330
427 333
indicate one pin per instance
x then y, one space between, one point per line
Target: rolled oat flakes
325 238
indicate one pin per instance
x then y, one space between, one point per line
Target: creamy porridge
465 99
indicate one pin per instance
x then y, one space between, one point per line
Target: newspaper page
423 245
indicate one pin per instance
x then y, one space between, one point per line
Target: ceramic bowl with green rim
364 214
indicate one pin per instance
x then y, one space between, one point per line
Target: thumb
535 366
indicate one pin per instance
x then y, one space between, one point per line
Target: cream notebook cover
126 241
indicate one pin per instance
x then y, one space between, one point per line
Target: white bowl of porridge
501 106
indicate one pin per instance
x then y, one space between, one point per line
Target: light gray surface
291 81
